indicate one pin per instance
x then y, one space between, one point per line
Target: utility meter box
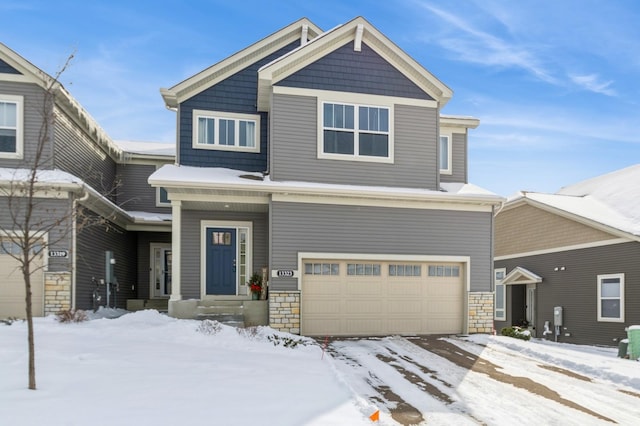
557 315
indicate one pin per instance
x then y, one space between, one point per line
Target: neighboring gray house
322 159
81 168
578 250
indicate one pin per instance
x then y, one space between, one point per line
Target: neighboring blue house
322 161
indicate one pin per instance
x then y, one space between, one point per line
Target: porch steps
229 312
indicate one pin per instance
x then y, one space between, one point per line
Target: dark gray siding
458 160
135 193
34 105
77 154
7 69
46 213
294 148
191 243
239 94
345 70
575 289
379 230
92 242
144 259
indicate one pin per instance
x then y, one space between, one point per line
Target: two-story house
322 158
83 178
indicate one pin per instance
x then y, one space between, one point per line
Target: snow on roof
54 176
147 148
149 217
612 199
221 178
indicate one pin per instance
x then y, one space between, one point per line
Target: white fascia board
459 122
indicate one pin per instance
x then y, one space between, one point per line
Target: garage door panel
357 326
404 288
405 326
399 307
363 288
370 307
326 306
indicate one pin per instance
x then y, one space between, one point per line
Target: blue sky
555 84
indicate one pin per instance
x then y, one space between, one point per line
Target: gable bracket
357 44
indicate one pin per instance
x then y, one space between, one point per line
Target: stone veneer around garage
57 292
284 311
480 312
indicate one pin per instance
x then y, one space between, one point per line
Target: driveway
449 380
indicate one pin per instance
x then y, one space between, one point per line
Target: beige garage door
12 294
346 298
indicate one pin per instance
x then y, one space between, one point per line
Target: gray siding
46 212
92 242
575 289
458 160
294 148
144 259
191 243
379 230
5 68
77 154
135 193
345 70
34 105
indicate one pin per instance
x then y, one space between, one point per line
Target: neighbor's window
611 297
445 154
355 132
226 131
363 269
11 138
500 295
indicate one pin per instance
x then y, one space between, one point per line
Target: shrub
287 342
69 315
209 327
516 332
9 321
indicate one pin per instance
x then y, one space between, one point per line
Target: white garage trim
466 260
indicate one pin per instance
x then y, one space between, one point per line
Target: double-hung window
445 154
356 132
226 131
611 298
500 310
11 136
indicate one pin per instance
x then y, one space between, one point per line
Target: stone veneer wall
57 292
284 311
480 312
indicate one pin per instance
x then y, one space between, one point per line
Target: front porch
239 311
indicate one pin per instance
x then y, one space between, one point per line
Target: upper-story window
355 132
445 154
11 136
226 131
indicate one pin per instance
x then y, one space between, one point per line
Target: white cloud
591 82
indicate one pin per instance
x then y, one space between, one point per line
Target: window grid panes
444 271
364 269
444 153
225 132
242 250
500 296
8 126
611 297
405 270
321 269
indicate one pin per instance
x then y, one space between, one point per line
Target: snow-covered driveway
441 380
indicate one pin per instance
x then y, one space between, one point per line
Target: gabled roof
358 30
520 275
303 29
610 202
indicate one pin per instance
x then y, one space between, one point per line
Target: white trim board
565 248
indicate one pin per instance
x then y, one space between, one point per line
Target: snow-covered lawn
146 368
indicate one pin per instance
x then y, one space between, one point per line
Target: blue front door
221 261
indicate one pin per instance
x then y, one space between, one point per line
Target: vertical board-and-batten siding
458 160
33 97
237 94
301 227
294 149
135 194
575 289
5 68
191 230
75 152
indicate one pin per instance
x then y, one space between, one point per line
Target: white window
500 313
226 131
322 269
444 271
372 269
445 154
405 270
11 136
355 132
611 298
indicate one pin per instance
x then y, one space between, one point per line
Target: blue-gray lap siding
575 289
135 193
345 70
325 228
5 68
458 160
92 243
294 149
192 239
33 112
237 94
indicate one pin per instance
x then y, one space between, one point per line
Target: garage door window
321 269
371 269
405 270
444 271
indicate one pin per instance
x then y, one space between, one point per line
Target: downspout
74 245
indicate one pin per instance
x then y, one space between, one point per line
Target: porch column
176 243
